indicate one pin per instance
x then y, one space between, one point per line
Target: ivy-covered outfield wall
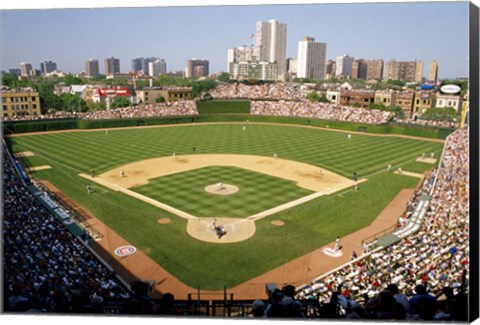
12 127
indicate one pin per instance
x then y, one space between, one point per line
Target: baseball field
280 191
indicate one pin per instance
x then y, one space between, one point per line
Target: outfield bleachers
48 270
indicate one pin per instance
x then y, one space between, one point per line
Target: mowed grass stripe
208 265
331 150
258 192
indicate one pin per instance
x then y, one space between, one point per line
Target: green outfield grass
208 265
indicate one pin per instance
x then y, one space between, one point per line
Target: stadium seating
47 269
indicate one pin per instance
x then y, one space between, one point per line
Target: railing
213 308
373 238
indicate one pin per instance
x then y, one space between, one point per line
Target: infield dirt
125 177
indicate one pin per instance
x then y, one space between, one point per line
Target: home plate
331 252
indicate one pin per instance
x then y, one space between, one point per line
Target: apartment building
343 66
357 98
197 68
20 102
149 95
433 71
92 69
112 66
423 101
404 70
359 69
374 69
311 59
271 45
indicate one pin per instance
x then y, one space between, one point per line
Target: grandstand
419 270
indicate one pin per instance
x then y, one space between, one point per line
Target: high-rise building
404 70
92 69
311 59
146 64
433 71
359 69
112 66
418 71
239 54
157 67
374 69
142 64
330 68
196 68
15 71
344 65
292 65
137 64
26 70
271 44
48 66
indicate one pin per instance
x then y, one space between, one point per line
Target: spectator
258 308
44 264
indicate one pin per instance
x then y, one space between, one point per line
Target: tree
160 99
378 106
224 77
121 102
202 86
96 106
399 113
50 101
10 80
164 80
73 103
71 80
441 114
120 81
314 97
142 83
398 83
305 80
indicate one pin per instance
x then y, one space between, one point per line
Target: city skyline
400 31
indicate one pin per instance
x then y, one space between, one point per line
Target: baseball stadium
255 202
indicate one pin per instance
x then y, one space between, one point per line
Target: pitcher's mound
222 189
164 221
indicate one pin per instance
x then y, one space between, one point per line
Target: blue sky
402 31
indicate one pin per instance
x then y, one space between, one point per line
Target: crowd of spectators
270 91
45 267
308 109
145 110
424 275
432 123
141 110
48 116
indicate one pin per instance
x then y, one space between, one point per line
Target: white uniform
337 244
